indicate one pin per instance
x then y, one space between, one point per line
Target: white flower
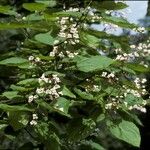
30 98
34 116
61 109
104 74
31 58
33 122
52 54
37 59
40 90
143 81
56 42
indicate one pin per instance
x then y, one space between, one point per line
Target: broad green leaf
34 17
62 105
18 88
7 10
126 131
94 63
49 3
109 5
45 38
13 61
83 126
89 40
10 94
28 82
67 92
138 67
132 100
93 145
84 95
34 6
118 21
6 26
6 107
18 119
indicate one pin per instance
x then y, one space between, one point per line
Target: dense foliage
67 85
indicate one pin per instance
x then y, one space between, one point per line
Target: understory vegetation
65 85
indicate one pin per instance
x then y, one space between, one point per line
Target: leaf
62 105
137 67
110 5
6 107
18 88
84 95
49 3
6 26
92 145
17 119
126 131
10 94
67 92
28 82
79 129
45 38
13 61
94 63
7 10
90 40
34 6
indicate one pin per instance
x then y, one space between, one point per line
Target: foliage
69 78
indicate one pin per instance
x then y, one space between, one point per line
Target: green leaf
6 107
6 26
110 5
89 40
18 88
10 94
45 38
79 129
138 67
17 119
62 105
92 145
49 3
28 82
34 6
126 131
13 61
84 95
94 63
67 92
7 10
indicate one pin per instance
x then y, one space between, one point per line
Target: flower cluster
49 87
34 59
69 30
34 119
139 29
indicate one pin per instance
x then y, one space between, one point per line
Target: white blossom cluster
139 29
109 75
116 104
141 50
138 107
94 17
34 119
52 89
49 87
34 59
69 29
